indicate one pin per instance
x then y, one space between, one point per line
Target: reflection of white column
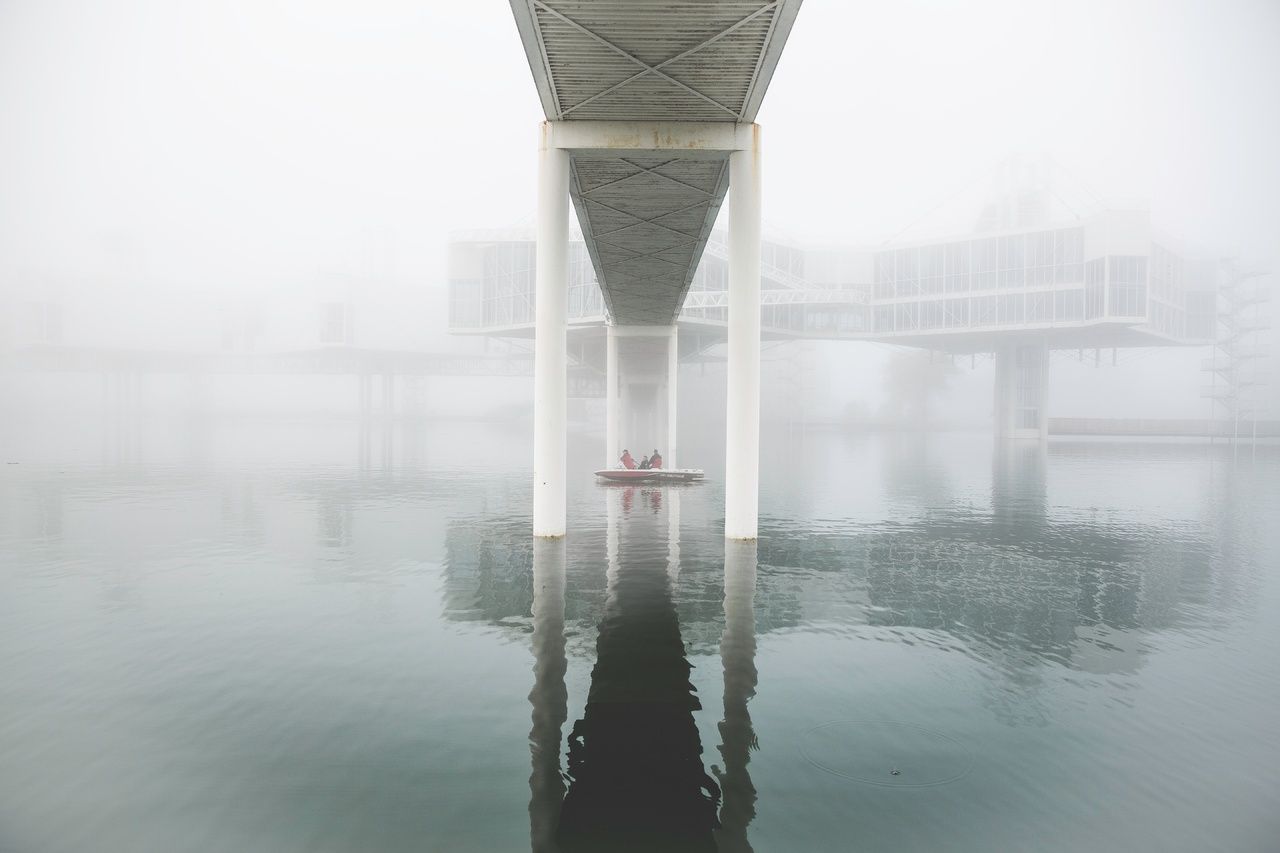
673 537
742 427
673 369
612 449
549 697
613 520
738 657
550 359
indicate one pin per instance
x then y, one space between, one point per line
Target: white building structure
1104 281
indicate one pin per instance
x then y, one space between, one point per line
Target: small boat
640 475
628 475
678 474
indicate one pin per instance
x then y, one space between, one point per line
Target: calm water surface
270 637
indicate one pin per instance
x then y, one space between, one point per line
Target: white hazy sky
230 144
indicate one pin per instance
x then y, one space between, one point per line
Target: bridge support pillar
1022 384
673 370
640 391
742 427
550 358
612 411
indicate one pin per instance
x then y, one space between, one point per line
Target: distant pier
1174 427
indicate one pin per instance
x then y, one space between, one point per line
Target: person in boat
655 461
626 459
644 464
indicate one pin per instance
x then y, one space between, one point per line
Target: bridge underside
646 205
650 108
646 219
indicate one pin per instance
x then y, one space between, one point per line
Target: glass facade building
1105 273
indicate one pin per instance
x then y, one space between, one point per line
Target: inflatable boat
649 475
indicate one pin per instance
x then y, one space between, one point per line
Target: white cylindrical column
612 449
673 369
1022 378
742 426
1005 374
550 360
625 426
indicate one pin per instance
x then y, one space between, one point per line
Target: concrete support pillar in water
389 394
673 370
1021 392
742 426
641 391
612 448
550 359
638 422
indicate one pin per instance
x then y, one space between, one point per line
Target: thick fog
214 177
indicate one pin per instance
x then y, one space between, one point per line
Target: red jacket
627 461
655 461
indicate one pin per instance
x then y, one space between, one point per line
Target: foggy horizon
269 141
639 425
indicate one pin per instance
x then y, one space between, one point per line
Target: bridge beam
742 426
550 354
689 139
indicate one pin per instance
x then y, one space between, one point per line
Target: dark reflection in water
297 658
1057 588
549 697
635 758
738 657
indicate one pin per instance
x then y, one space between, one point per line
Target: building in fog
1018 288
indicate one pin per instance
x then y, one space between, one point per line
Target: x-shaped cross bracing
651 170
655 70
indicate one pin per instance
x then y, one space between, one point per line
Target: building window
907 272
1011 308
957 267
1095 287
982 311
1127 286
1039 307
46 323
335 323
931 269
985 260
1068 306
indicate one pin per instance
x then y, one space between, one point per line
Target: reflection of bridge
634 764
1014 574
1015 586
1022 586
